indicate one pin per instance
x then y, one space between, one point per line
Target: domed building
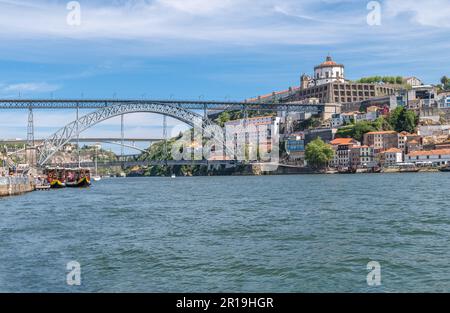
328 72
329 85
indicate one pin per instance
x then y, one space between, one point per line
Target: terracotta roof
431 152
343 141
328 62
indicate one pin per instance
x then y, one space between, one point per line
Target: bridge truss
63 136
107 108
18 104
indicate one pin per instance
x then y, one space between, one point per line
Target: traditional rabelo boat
56 177
78 177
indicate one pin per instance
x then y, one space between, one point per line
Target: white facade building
255 131
336 120
444 101
369 116
438 157
413 81
392 156
339 119
362 156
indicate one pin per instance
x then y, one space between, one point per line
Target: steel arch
60 138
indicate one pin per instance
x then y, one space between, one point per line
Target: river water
306 233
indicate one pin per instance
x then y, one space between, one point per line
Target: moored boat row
68 177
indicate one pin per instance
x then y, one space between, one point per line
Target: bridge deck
186 104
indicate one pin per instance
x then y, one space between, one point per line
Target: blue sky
214 49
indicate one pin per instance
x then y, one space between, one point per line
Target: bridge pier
30 150
122 134
165 136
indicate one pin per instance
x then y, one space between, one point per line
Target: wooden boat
445 169
78 178
346 170
43 187
408 168
56 177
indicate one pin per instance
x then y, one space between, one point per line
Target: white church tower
328 72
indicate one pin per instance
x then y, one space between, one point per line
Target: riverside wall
11 185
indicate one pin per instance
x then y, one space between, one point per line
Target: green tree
402 119
445 83
362 128
318 153
409 121
357 130
383 79
345 131
223 118
382 124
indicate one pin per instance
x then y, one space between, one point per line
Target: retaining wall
11 185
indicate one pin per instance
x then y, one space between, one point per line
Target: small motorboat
97 178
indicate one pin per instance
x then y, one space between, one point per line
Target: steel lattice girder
63 136
190 105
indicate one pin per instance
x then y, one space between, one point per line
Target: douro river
306 233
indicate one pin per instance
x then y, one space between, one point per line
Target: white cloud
138 125
223 21
175 26
434 13
197 7
30 87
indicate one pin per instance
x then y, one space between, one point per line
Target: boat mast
96 160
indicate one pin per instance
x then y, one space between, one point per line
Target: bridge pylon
30 153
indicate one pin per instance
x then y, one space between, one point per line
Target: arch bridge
185 111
